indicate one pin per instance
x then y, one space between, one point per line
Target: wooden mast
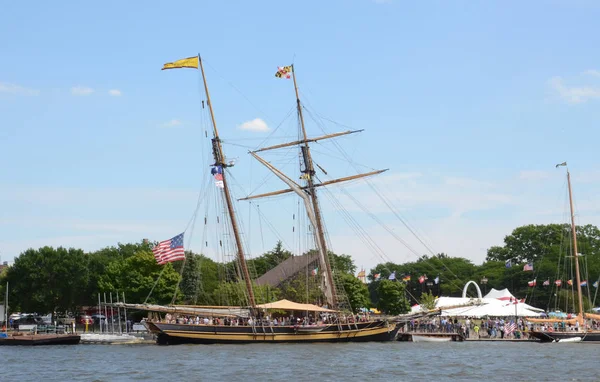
217 150
576 255
310 172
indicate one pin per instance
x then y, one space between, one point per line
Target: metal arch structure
467 287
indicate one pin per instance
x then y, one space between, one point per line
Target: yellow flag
190 62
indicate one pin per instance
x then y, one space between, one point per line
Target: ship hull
172 334
544 336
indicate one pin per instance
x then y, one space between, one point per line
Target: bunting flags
508 263
532 283
284 72
190 62
528 267
169 250
558 283
546 283
583 283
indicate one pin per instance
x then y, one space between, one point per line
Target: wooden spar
310 172
308 140
326 183
217 149
574 234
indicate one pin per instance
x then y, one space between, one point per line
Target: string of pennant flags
405 278
528 267
559 283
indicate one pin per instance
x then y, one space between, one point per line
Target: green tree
303 288
427 301
235 294
342 263
136 275
356 292
391 297
48 280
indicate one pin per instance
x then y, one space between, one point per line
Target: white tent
500 303
503 294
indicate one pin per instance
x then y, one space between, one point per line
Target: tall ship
331 320
580 327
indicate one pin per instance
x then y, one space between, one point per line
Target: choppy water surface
392 361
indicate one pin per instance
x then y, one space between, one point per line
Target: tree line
66 279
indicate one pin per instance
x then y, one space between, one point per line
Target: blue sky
470 105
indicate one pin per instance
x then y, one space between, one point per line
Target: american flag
510 327
528 267
169 250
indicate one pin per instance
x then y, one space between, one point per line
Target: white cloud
592 72
575 94
534 175
172 123
255 125
81 91
115 92
17 89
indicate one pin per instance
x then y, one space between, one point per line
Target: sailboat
250 324
580 324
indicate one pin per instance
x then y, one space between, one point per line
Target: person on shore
476 330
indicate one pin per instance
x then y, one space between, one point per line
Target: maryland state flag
190 62
283 72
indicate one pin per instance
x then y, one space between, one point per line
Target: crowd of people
491 327
267 320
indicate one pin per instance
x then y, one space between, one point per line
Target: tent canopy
290 305
503 294
497 303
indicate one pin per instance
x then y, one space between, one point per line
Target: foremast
576 255
219 157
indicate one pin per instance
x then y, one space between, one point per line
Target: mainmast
319 232
308 193
219 157
574 235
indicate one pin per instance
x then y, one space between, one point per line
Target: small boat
38 339
422 338
33 338
110 339
570 339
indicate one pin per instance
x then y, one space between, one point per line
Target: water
391 361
